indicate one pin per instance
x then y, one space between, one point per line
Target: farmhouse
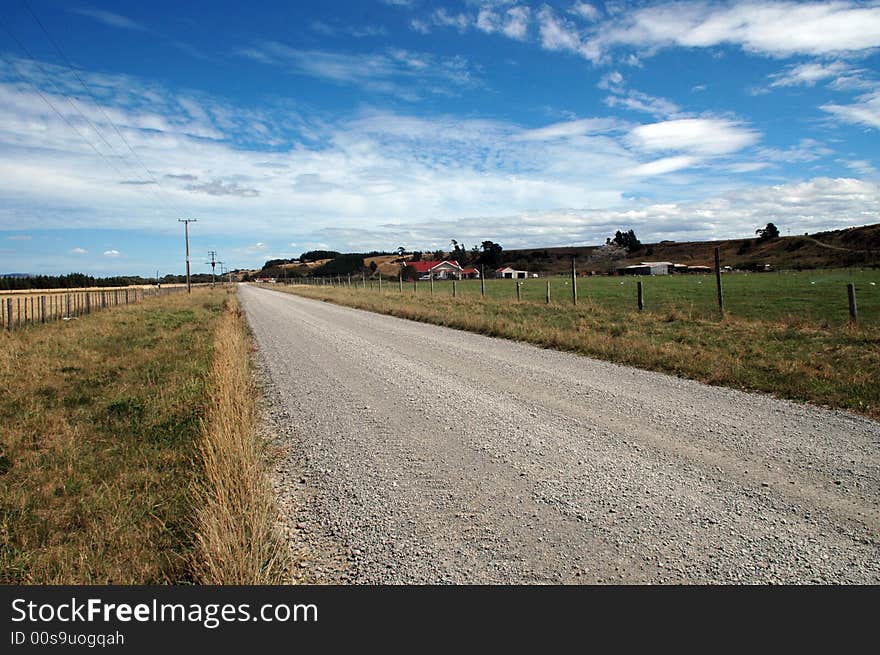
439 270
470 273
509 273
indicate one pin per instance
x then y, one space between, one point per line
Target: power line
27 52
88 90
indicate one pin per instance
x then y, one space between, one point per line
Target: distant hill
858 246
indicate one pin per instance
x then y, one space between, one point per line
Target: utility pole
212 263
186 222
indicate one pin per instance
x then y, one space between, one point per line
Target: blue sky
283 127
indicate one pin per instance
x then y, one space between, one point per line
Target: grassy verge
125 449
236 516
99 422
837 366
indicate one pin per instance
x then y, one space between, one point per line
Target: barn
509 273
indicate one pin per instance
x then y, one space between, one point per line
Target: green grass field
799 298
786 333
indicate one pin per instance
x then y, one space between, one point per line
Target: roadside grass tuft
236 514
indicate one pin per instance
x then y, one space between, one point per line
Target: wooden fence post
518 290
718 281
42 309
851 294
431 275
453 289
400 282
482 281
68 305
9 313
548 292
574 286
640 295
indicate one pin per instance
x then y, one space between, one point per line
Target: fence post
68 305
415 286
42 309
9 313
431 275
851 294
380 283
641 295
18 311
126 296
518 290
454 293
103 300
88 303
400 282
364 276
718 280
574 286
482 281
548 292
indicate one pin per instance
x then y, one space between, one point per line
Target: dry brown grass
99 421
236 515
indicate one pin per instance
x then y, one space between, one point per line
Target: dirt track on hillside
424 454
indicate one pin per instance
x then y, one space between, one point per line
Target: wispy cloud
395 71
111 253
110 19
83 251
865 111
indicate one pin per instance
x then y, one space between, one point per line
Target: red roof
469 271
426 266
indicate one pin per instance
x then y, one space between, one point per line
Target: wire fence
23 309
819 297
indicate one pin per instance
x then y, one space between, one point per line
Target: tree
373 267
768 233
409 272
492 256
401 250
627 240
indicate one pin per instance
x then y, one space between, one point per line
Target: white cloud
865 111
806 150
663 166
759 26
556 32
698 136
809 74
809 206
569 129
586 11
642 102
111 253
83 251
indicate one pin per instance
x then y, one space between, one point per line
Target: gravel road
421 454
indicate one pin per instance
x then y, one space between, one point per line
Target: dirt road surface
430 455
